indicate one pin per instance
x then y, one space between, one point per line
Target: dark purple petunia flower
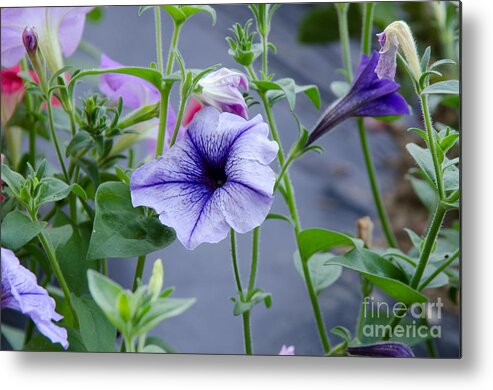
390 349
369 95
21 292
216 178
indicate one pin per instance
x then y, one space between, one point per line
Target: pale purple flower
221 89
59 31
387 63
217 177
369 95
30 39
388 349
287 350
136 93
21 292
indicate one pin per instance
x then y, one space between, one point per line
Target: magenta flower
21 292
136 93
389 349
59 31
216 178
220 89
287 350
369 95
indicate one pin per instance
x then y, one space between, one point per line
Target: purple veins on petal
215 178
369 95
21 292
389 349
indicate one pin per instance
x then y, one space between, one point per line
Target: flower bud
30 39
397 34
220 89
156 280
388 349
365 230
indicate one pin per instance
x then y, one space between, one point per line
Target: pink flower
287 350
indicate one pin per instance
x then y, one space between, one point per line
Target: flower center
216 176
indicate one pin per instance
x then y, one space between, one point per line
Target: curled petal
21 292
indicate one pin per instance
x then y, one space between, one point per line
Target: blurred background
331 188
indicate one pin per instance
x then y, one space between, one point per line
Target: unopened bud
156 280
30 39
397 35
365 230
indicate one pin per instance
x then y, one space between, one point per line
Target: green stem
139 271
179 118
159 44
129 344
253 268
174 44
370 167
265 49
344 34
429 242
372 178
291 203
437 272
32 131
58 272
55 140
430 132
163 119
246 315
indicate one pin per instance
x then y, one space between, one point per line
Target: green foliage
250 299
120 230
18 229
181 13
321 275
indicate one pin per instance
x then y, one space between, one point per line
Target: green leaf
80 141
280 217
424 160
449 87
156 341
161 310
144 8
18 230
190 10
381 272
425 192
255 297
70 243
322 275
52 190
343 333
13 179
41 343
151 348
120 230
96 330
105 293
312 241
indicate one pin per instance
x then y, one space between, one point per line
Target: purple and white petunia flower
135 93
59 31
388 349
21 292
369 95
287 350
221 89
217 177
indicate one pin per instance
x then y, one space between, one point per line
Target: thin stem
372 178
159 44
234 259
253 268
366 36
265 49
139 270
429 242
58 272
430 132
163 119
344 34
29 108
179 118
174 44
55 140
437 272
129 344
247 334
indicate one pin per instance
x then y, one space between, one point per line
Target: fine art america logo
378 314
